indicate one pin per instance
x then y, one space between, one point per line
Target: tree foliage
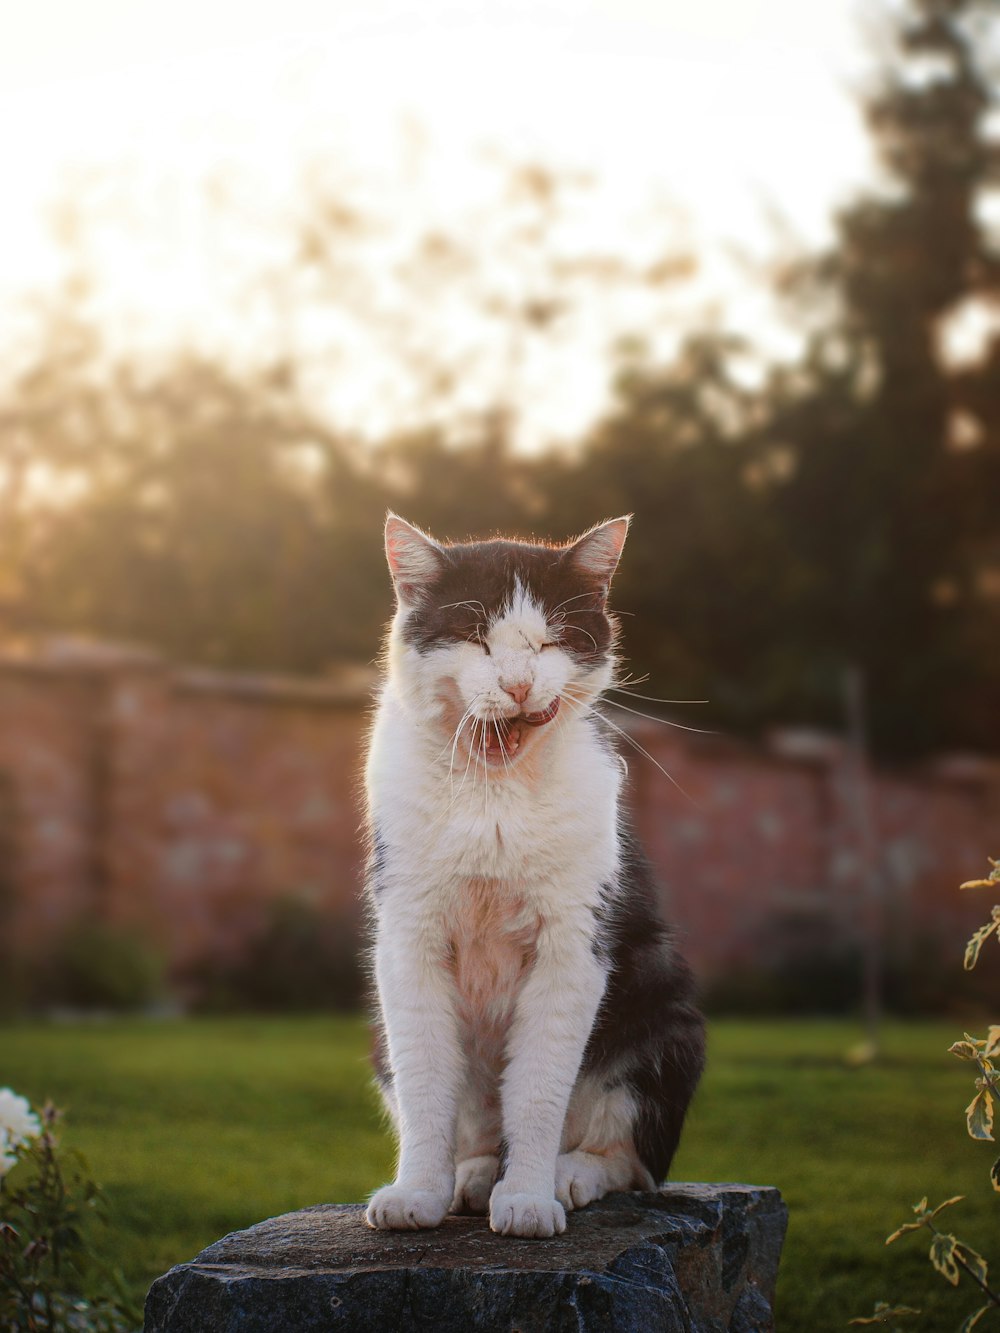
841 514
896 452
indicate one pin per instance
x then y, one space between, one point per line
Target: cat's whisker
444 749
461 785
505 723
577 629
665 722
576 706
453 794
575 598
468 602
451 763
670 778
486 772
452 745
619 689
633 680
636 746
579 706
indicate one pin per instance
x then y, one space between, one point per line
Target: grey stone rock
685 1259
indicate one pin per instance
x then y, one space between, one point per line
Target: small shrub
101 966
919 978
301 960
51 1279
800 966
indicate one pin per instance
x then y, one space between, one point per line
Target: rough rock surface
685 1259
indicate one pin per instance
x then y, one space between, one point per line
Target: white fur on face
450 685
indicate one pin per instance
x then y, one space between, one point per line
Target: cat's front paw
474 1179
396 1208
525 1214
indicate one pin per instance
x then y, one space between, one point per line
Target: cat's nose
518 692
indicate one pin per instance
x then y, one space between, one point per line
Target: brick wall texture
180 802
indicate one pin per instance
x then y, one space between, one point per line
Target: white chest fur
546 831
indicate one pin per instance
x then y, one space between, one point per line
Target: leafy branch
950 1256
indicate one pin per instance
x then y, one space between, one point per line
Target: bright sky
726 108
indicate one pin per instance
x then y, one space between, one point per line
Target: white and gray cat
539 1039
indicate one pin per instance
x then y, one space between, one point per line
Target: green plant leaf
965 1050
901 1231
979 1115
883 1312
992 1041
979 937
971 1320
991 878
942 1255
995 1175
974 1261
956 1198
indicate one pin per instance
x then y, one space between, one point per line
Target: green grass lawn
196 1128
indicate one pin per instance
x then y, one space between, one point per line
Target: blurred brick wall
762 838
176 801
183 801
47 819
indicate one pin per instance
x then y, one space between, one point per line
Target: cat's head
498 643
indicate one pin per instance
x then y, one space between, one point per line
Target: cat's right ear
415 560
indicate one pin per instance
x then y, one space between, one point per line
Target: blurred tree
216 514
476 312
698 586
842 515
888 507
44 451
182 508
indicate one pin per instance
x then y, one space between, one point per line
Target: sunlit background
732 268
269 269
176 155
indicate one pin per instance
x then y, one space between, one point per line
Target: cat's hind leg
477 1139
582 1177
599 1153
474 1181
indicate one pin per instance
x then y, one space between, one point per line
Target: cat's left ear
598 551
415 560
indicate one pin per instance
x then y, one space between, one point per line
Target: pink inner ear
597 552
393 551
411 557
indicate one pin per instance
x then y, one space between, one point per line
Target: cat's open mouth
501 738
